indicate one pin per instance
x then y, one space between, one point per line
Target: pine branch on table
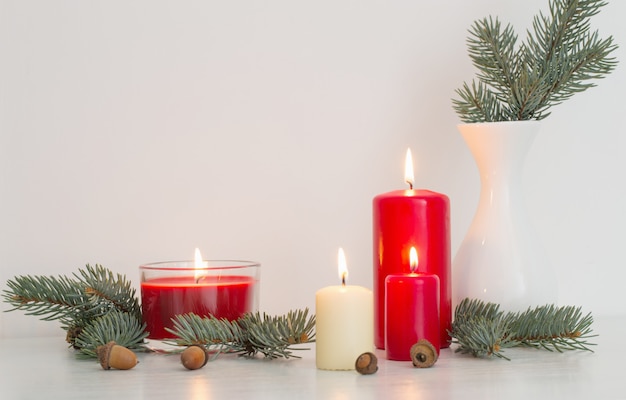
87 303
483 330
121 327
107 291
272 336
553 328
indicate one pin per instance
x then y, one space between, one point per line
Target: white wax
344 326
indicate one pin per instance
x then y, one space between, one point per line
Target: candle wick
410 185
200 277
343 280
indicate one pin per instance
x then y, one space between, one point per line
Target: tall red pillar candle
411 218
223 289
411 312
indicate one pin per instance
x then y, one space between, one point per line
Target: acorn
366 364
194 357
112 355
423 354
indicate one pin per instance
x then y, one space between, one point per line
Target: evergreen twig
483 330
251 334
121 327
108 291
79 303
553 328
561 57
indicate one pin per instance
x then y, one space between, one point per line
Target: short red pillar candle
411 312
411 218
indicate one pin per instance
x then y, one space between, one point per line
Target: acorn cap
423 354
104 353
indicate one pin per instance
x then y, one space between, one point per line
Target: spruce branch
492 50
560 57
553 328
483 330
272 336
76 303
50 297
119 326
107 291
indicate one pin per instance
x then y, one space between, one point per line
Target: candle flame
408 169
413 260
199 265
342 267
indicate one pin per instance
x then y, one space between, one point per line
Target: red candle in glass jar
411 311
163 298
228 289
411 218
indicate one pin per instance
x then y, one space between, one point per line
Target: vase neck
499 150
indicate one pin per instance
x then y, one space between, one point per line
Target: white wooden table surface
44 368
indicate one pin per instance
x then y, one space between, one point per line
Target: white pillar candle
344 326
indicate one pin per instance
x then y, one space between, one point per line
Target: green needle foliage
480 329
94 307
122 327
561 56
483 330
253 333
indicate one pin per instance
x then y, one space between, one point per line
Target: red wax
411 218
411 313
163 298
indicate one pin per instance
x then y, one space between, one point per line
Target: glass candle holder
221 288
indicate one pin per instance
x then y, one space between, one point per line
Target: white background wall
134 131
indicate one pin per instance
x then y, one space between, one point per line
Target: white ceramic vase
501 259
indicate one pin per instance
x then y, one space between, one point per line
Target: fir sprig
93 294
483 330
553 328
107 291
122 327
52 298
272 336
561 57
480 329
